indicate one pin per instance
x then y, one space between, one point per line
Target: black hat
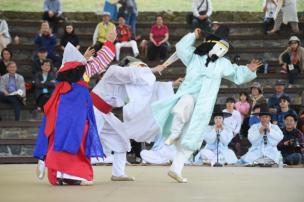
264 111
218 112
284 97
295 117
42 50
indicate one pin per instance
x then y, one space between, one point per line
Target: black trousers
268 24
292 74
13 100
161 50
42 99
293 159
53 21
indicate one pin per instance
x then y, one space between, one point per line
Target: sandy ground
18 183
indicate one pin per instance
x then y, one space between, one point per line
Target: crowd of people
270 124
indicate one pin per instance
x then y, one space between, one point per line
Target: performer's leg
182 112
182 155
118 167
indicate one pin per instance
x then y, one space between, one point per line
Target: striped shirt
101 61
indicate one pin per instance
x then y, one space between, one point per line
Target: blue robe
202 82
75 108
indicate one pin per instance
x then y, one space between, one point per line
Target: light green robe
202 82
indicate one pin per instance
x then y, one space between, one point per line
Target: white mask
219 49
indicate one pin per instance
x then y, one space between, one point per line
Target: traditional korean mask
219 50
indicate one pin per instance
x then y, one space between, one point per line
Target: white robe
234 122
209 152
258 149
137 87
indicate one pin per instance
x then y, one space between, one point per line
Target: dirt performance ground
19 183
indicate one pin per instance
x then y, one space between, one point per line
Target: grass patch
143 5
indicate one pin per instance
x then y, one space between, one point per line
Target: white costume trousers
182 113
119 164
127 44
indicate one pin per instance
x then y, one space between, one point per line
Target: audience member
111 7
5 37
69 36
201 12
220 30
101 31
256 94
38 59
269 7
292 59
159 35
217 138
124 38
254 118
243 105
52 13
12 88
6 57
264 138
287 14
44 83
300 122
278 118
273 101
292 145
45 39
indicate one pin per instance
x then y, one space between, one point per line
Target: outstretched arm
104 57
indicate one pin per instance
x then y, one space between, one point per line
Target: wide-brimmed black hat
219 112
264 110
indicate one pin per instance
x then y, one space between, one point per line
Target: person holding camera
292 145
201 12
264 138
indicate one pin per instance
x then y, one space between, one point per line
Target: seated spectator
264 138
38 59
217 138
234 123
292 59
159 35
102 30
278 118
12 88
6 57
269 7
286 13
44 83
256 94
69 36
124 38
52 13
201 11
243 105
292 145
273 101
45 39
254 118
5 37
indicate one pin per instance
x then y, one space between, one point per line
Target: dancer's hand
89 53
159 69
112 36
197 33
254 64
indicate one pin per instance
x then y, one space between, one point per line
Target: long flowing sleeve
235 73
254 134
102 60
226 137
275 135
185 48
